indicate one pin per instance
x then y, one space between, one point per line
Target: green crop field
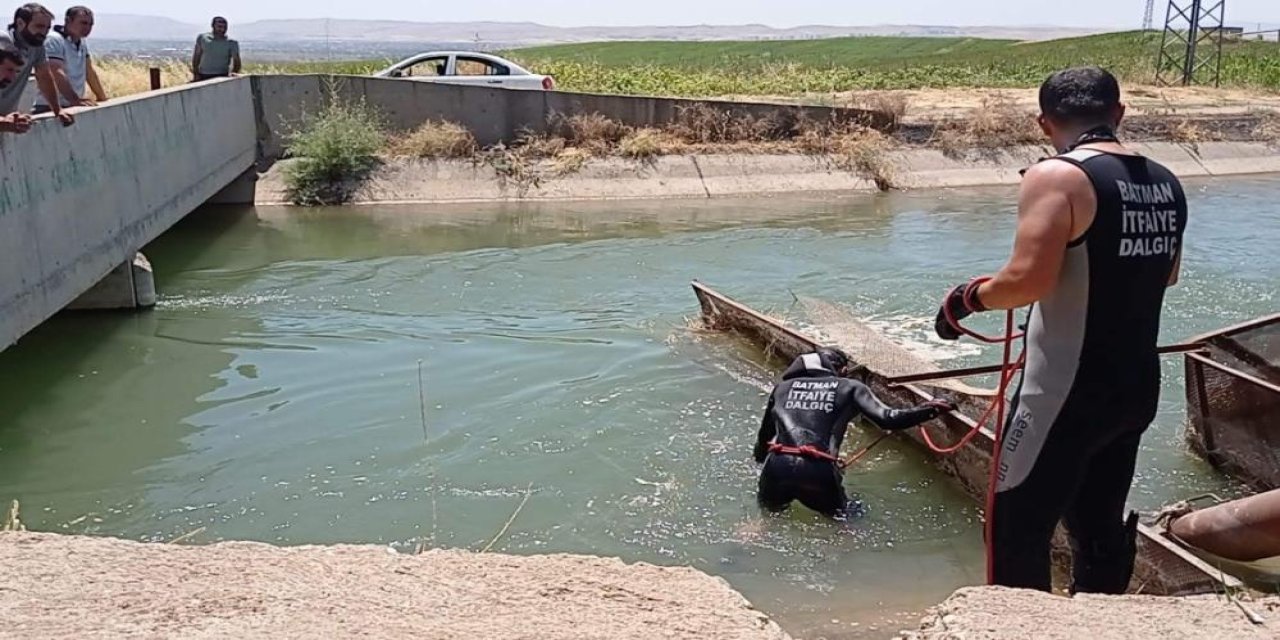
813 67
843 64
815 53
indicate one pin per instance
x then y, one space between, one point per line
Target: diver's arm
891 419
768 430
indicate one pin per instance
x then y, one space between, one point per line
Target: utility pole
1149 16
1191 45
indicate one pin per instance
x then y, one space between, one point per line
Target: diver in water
804 426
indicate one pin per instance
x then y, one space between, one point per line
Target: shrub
333 151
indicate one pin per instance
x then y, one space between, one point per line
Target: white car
467 67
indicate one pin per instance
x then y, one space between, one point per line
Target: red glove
960 304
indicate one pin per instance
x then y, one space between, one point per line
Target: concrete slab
729 175
928 168
709 176
1176 157
1236 158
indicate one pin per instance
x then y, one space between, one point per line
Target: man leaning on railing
26 36
10 63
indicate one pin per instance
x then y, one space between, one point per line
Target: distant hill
137 27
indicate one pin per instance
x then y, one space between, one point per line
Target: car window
477 67
428 67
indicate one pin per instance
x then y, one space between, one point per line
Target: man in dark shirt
1099 239
804 426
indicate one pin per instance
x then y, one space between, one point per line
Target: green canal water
274 392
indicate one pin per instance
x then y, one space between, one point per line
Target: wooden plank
952 374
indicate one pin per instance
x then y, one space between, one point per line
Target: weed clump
649 143
435 139
333 152
998 124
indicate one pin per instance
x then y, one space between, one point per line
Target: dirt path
1005 614
935 104
80 587
931 105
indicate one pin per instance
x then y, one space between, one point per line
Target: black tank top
1102 321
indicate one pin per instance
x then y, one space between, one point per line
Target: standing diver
804 426
1098 240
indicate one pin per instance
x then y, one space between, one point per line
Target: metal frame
1207 427
1236 373
1191 45
1238 328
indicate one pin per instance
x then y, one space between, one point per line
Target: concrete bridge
77 204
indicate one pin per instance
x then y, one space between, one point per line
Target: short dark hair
1080 95
11 55
219 19
28 11
76 12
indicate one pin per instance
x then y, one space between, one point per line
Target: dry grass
592 131
1268 129
512 167
704 124
123 77
816 140
891 103
541 145
435 139
1187 131
1190 133
532 160
648 143
865 153
998 124
570 160
856 149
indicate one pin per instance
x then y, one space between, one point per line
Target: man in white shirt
68 54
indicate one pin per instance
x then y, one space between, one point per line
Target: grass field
844 64
819 53
808 67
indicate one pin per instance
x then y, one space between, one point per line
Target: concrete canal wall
492 115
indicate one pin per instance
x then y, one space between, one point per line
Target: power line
1191 44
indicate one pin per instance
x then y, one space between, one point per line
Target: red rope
811 451
808 450
1008 368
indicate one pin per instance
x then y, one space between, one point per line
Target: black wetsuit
812 407
1091 383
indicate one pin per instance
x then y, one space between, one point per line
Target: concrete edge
714 176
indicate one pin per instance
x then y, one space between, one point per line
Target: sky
1119 14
